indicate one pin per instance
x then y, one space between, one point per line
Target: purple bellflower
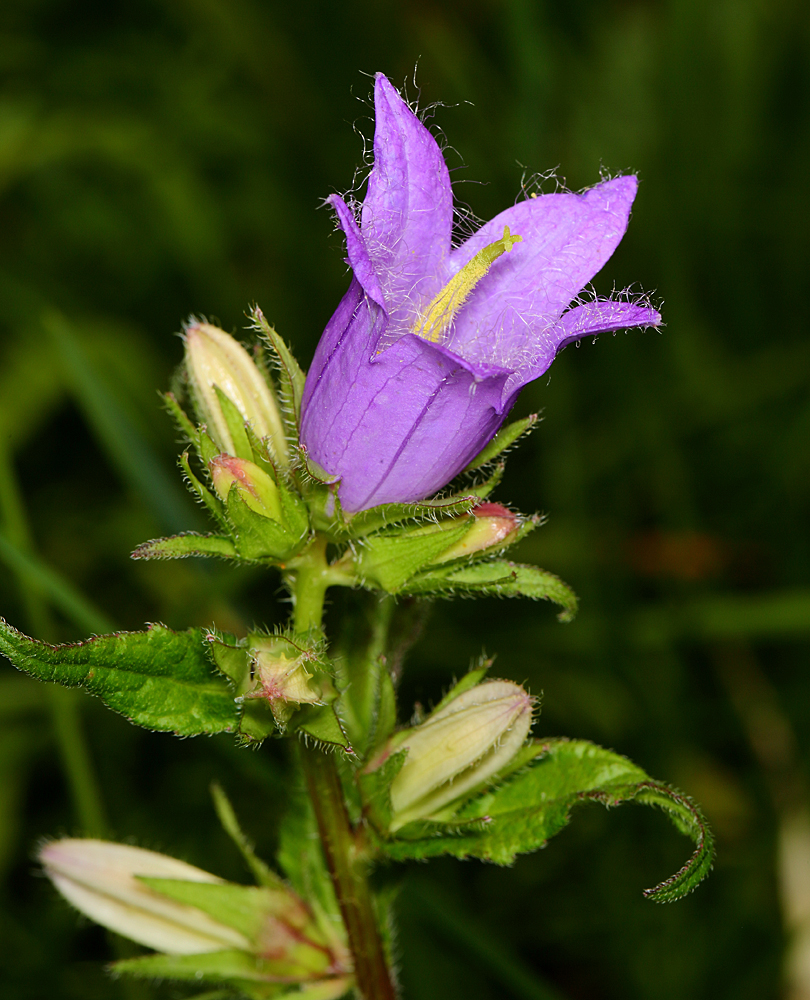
429 348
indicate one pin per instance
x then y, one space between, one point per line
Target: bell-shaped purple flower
432 343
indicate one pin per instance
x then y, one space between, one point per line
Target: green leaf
189 543
535 803
500 578
158 679
388 559
504 439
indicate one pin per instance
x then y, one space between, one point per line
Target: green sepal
535 803
262 872
469 680
259 538
178 414
228 965
367 703
256 722
505 438
158 679
290 375
207 448
322 724
375 788
389 514
483 488
390 558
235 423
242 907
213 503
231 657
500 578
189 543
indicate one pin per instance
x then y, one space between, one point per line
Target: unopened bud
254 486
284 681
214 360
99 878
492 525
458 748
181 910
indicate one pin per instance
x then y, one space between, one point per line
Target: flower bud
182 911
458 748
98 878
253 485
214 360
284 680
493 524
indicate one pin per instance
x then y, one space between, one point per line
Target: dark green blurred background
160 158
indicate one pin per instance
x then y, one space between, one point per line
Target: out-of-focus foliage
160 158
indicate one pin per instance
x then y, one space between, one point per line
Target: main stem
338 836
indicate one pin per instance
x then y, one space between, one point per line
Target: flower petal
397 426
566 239
407 214
356 251
589 319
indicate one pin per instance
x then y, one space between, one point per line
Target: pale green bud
254 486
458 748
214 360
98 878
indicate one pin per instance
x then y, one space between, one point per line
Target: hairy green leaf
500 578
533 804
158 679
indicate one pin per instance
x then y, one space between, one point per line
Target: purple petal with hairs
396 416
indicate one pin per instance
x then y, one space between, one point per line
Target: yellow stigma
438 316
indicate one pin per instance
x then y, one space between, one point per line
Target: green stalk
309 581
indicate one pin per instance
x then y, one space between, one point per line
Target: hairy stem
309 581
339 842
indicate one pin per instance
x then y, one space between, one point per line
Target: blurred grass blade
480 945
71 602
129 453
